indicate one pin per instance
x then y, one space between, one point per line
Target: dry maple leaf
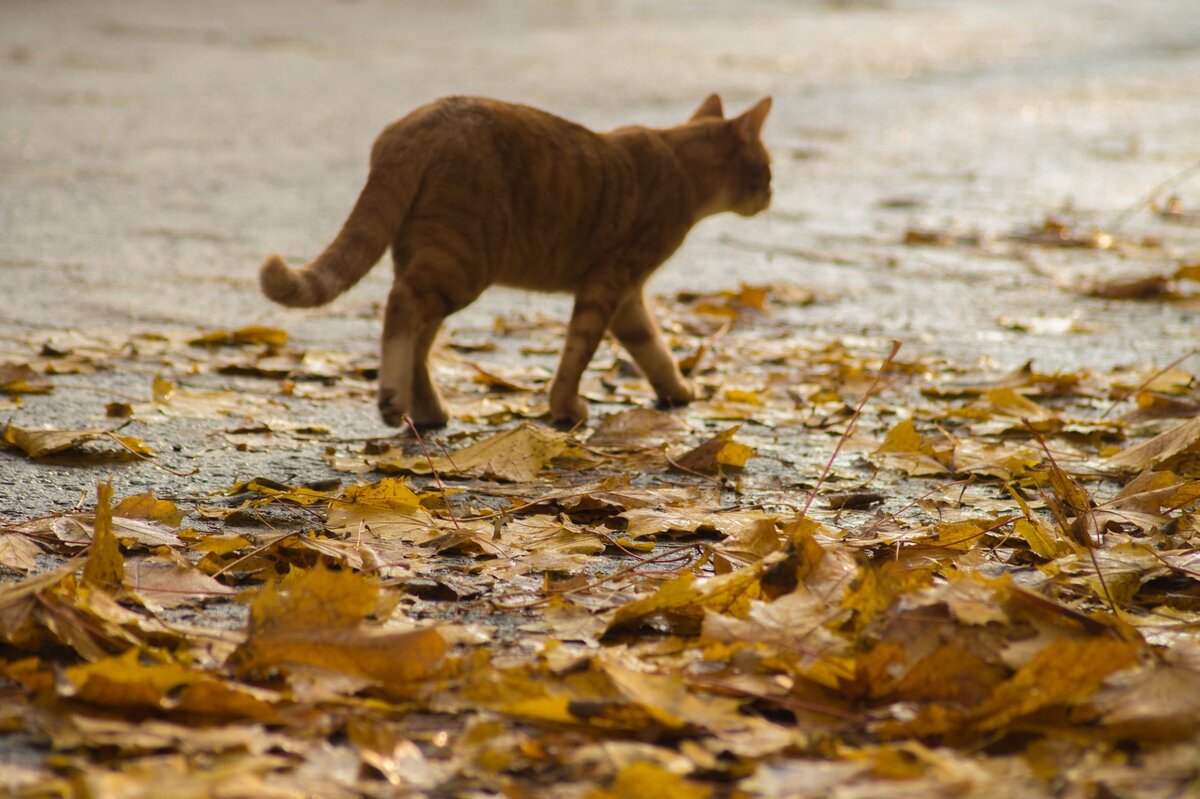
315 619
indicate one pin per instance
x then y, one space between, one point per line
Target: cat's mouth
757 204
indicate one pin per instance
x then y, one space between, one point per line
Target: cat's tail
364 237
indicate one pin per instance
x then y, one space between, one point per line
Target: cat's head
737 158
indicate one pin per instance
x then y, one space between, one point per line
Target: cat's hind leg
594 306
401 324
635 327
427 405
427 289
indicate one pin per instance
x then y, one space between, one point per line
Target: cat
470 191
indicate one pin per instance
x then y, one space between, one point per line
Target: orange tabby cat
470 192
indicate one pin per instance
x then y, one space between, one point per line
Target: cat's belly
538 273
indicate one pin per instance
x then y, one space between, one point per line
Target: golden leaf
314 618
516 455
251 334
1064 673
40 443
105 567
643 779
147 506
720 450
20 378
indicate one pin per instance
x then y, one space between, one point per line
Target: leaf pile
995 589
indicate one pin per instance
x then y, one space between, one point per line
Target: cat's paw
681 393
569 412
390 409
423 416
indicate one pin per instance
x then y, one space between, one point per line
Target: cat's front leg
593 309
636 328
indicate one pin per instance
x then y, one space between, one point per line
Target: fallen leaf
636 427
720 450
20 378
18 552
315 618
105 567
251 334
1163 447
40 443
1064 673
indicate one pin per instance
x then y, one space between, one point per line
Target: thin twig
1108 597
850 427
1148 381
1148 197
441 486
147 458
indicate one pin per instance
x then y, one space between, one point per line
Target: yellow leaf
516 455
389 493
720 450
877 589
903 437
727 593
554 709
105 567
147 506
1010 403
314 618
1041 539
134 445
905 448
741 395
1064 673
126 682
1040 536
680 592
20 378
957 535
644 779
251 334
220 544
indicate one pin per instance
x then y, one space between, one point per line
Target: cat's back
471 126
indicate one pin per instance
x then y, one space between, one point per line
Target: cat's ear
710 108
749 125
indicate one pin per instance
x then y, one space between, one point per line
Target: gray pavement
151 153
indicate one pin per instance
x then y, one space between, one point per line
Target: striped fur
470 192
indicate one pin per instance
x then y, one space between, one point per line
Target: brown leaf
636 427
18 552
315 619
40 443
170 581
1177 440
21 378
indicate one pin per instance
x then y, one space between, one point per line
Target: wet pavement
151 154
